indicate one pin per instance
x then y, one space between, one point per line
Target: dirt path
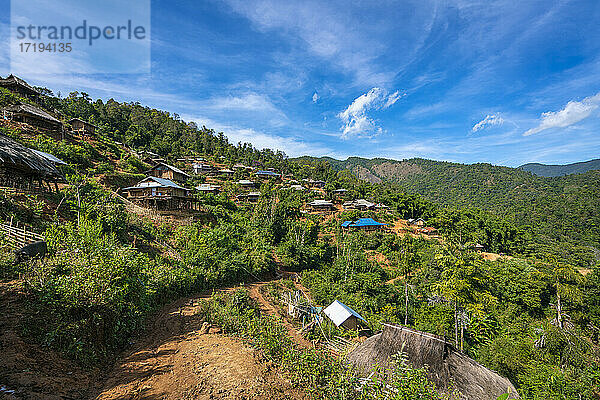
267 308
175 361
170 360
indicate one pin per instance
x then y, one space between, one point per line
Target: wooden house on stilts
161 194
82 128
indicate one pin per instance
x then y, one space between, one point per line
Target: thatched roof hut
18 85
20 164
445 365
33 116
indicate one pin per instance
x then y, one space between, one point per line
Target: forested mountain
560 212
154 130
561 170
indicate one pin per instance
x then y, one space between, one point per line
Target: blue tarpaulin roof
361 222
267 173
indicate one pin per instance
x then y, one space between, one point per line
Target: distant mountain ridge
549 170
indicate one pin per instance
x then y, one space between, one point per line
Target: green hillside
561 213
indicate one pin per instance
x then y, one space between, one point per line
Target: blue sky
468 81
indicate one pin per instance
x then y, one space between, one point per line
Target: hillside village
165 186
342 264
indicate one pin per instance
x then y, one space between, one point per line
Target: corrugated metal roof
270 173
338 313
320 203
159 182
206 187
363 202
367 222
50 157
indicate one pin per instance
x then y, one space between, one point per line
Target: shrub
91 293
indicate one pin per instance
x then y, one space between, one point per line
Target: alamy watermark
84 36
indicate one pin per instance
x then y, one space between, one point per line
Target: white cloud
355 118
572 113
291 146
246 102
393 98
489 120
326 32
315 97
249 105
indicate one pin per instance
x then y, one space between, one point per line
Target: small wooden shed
83 128
342 315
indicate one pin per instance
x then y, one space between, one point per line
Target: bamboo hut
23 168
446 367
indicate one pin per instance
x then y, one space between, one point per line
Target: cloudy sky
469 81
